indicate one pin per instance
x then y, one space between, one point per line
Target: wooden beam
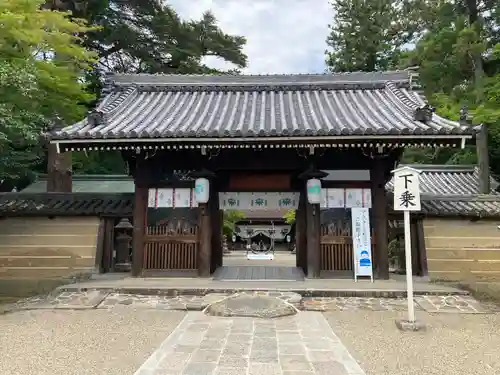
422 249
483 160
139 222
216 226
59 171
313 241
205 249
100 245
300 234
380 218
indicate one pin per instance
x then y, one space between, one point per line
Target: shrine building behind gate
265 135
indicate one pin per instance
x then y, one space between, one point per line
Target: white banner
165 198
354 198
171 198
361 240
336 198
183 198
367 198
258 201
152 198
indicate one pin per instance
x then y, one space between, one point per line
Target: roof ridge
396 71
172 80
443 167
92 177
421 111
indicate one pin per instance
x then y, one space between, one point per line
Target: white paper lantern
314 191
201 190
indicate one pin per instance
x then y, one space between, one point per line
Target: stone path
432 304
93 299
300 345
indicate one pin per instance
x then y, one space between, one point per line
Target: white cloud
283 36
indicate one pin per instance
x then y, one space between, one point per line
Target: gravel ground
84 342
454 344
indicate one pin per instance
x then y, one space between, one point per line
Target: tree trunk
59 171
477 59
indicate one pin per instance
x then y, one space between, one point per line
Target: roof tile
175 106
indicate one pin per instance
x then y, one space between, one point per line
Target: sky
283 36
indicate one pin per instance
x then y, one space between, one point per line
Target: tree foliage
289 216
369 35
41 62
231 217
454 43
146 36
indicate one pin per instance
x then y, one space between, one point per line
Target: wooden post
216 224
313 241
99 254
220 257
59 170
483 160
139 222
205 251
422 250
300 234
380 222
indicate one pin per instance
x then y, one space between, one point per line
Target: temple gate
278 130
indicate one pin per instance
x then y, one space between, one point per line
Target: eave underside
368 142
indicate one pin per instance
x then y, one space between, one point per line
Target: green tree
289 216
41 64
146 36
231 217
459 65
369 35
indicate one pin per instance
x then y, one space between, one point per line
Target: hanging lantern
201 190
314 191
288 239
233 238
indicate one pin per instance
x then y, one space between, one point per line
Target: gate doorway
259 243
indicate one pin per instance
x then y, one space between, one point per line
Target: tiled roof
453 190
66 204
486 206
264 214
90 184
448 180
194 106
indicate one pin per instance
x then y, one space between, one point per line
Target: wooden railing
337 250
171 247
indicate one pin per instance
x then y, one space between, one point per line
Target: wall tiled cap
448 180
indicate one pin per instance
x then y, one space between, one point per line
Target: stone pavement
300 345
396 287
95 299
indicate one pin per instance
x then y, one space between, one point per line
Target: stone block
405 325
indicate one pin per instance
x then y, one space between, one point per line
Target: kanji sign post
407 199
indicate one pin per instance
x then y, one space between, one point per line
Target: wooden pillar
313 241
422 250
59 170
380 216
300 234
220 257
483 160
139 222
205 250
216 226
